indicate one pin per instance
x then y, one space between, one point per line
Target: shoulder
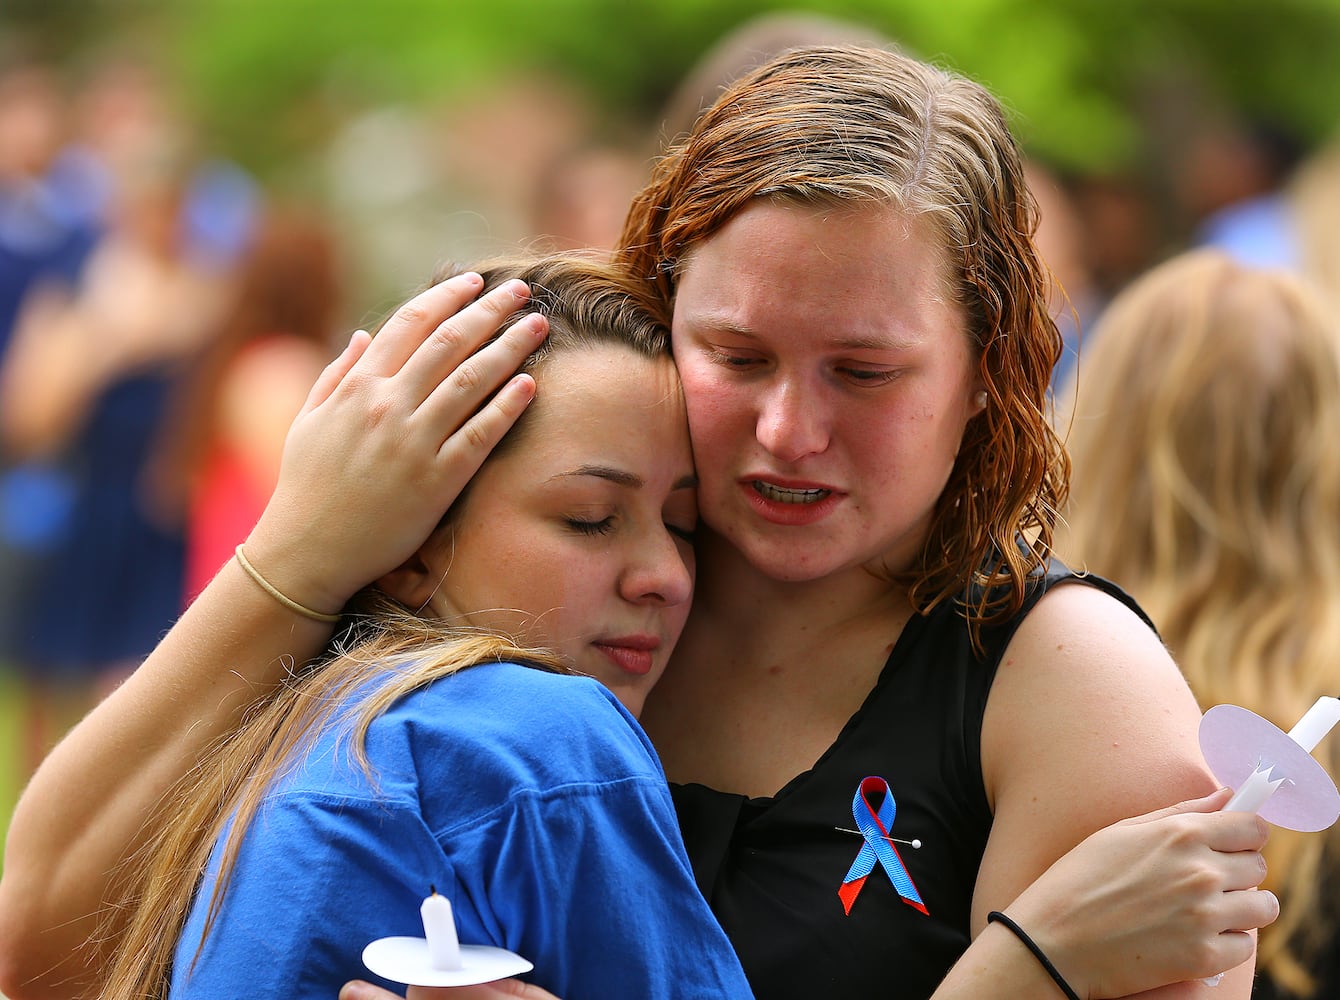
478 741
1085 652
1089 721
509 695
1083 625
1086 684
527 724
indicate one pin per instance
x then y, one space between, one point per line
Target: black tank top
771 867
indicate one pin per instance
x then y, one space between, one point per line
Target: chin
790 564
631 700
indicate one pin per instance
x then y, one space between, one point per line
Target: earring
980 399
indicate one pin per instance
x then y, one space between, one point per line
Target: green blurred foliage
1082 77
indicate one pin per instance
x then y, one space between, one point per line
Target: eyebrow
621 477
886 342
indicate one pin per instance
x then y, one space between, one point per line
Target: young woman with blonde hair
1206 482
531 801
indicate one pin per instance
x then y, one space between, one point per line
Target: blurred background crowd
198 201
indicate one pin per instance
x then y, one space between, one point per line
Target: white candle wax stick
1252 793
1319 720
439 927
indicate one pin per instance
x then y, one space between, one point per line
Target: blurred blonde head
1315 193
1206 481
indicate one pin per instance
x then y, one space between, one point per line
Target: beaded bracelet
996 917
275 592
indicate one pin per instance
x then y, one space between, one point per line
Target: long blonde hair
1314 194
1206 482
384 652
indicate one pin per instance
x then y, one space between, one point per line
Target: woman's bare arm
390 434
1088 721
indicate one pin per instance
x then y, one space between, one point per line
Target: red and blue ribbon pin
874 825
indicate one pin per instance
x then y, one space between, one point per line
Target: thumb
1213 802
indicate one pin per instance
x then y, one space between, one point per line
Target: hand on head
417 399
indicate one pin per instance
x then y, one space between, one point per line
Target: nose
790 424
658 574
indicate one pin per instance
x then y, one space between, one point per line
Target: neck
750 606
761 659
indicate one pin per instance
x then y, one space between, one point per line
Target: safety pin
914 844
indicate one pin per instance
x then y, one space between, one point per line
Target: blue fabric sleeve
533 802
593 885
588 882
318 878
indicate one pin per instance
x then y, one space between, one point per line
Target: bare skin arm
1089 720
336 521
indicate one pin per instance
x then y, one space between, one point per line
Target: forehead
856 273
595 375
594 397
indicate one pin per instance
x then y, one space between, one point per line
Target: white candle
1252 793
439 927
1319 720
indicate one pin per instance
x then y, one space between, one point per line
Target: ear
413 582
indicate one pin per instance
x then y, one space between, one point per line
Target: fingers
359 990
1203 820
1250 910
1238 870
1226 952
414 321
429 337
468 447
440 354
1231 832
1213 802
451 369
334 372
460 392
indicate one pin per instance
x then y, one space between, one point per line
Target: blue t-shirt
533 801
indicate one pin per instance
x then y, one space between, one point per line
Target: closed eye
868 376
602 527
729 360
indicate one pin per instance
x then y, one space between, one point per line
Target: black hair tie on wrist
996 917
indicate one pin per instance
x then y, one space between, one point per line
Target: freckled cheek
716 412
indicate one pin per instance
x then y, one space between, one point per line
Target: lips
793 505
631 654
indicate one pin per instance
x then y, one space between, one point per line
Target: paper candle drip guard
438 958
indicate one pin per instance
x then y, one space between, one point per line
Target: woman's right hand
389 436
1161 898
500 990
